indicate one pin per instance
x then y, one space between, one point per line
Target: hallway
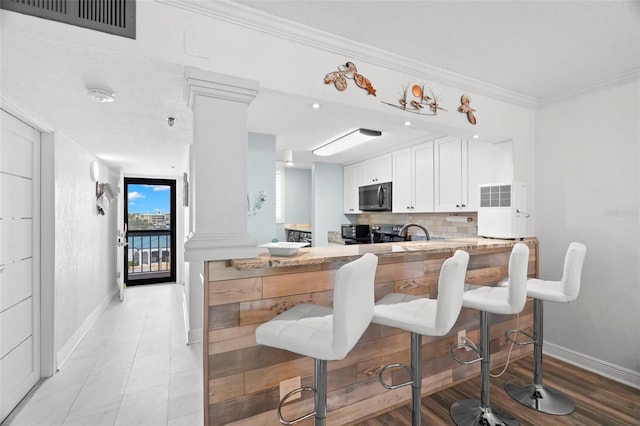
132 368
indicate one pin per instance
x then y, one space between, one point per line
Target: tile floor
132 368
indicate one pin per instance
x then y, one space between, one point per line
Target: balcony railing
148 254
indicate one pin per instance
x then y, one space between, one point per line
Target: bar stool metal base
416 378
541 398
468 412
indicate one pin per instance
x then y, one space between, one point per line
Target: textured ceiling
536 48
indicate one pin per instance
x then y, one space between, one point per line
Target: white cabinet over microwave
377 170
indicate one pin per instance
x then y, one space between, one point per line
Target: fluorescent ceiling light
347 141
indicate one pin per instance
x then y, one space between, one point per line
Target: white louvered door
19 261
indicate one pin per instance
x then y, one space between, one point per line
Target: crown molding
12 108
255 20
606 83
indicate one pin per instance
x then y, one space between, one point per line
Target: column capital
201 247
218 86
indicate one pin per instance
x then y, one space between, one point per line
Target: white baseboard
603 368
67 349
195 335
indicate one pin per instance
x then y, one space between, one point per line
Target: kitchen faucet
403 231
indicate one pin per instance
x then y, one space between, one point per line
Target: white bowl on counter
283 248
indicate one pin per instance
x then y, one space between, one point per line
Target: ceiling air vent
117 17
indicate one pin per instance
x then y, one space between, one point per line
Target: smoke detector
100 94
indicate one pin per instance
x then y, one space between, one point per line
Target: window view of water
148 231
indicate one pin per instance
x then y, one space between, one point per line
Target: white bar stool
536 395
323 333
423 316
498 300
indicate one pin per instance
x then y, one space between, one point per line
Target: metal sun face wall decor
416 101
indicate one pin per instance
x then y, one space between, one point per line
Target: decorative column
218 213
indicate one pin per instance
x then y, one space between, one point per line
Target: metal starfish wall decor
349 70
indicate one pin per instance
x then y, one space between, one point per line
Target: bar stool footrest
284 399
470 346
541 398
508 335
468 412
390 366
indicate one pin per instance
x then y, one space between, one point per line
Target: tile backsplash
443 225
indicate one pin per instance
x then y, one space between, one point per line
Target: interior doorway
150 223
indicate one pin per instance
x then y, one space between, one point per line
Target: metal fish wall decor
465 100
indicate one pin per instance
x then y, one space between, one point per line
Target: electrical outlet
462 336
288 385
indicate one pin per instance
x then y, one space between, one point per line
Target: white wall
297 195
85 250
327 188
297 199
261 176
588 186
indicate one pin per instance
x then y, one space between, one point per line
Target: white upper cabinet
413 179
450 174
481 166
461 166
352 181
402 198
437 176
377 170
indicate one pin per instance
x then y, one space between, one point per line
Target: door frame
172 183
44 214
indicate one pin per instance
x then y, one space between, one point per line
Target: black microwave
375 198
356 232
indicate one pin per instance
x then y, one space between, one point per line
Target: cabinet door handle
464 205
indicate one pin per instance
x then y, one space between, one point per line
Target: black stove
351 241
378 234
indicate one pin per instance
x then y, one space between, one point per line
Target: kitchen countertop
303 227
336 253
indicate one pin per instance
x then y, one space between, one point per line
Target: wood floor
599 401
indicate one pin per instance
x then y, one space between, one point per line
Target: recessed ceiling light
315 105
100 94
476 136
407 123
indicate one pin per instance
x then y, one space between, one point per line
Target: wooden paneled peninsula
241 378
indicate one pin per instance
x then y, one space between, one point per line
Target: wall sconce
347 141
95 171
104 195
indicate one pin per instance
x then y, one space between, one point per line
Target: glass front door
150 255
